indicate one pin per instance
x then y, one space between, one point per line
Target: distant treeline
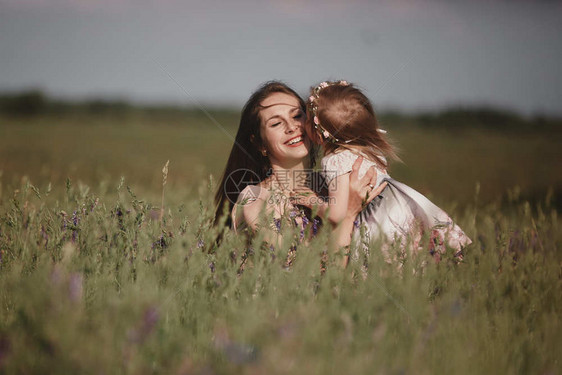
36 103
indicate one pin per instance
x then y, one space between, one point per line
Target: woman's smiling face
281 129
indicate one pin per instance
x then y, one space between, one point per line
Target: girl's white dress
399 213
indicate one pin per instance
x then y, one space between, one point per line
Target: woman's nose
293 125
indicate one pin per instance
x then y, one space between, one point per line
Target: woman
271 161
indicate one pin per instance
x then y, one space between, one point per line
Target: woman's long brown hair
246 165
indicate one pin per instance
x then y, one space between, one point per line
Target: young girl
341 119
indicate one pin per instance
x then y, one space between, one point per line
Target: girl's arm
346 192
359 195
338 196
334 209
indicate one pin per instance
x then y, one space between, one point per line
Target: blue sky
408 55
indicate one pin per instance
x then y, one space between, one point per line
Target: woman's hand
362 191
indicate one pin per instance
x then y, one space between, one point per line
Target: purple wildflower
160 243
277 222
315 223
75 221
150 318
94 204
75 287
56 275
146 326
44 235
64 221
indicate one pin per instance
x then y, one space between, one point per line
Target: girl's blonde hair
345 119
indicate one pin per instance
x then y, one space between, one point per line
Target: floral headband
314 107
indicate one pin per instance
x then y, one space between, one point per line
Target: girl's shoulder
343 160
338 158
338 163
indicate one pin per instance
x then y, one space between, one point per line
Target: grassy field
445 163
92 282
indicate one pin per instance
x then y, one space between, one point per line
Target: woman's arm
248 208
248 214
259 213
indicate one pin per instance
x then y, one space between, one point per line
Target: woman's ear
252 138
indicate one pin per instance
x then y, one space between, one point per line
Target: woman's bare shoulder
248 205
251 194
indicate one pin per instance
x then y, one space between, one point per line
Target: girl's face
281 129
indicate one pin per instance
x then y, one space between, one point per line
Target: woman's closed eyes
298 116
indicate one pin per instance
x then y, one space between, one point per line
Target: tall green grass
94 279
91 281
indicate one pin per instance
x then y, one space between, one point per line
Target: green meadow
94 280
